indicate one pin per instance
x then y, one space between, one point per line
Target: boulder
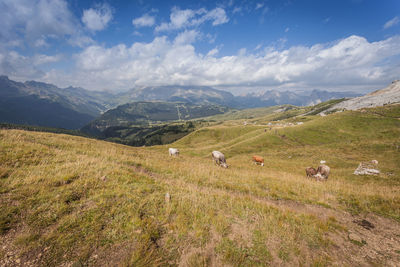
366 169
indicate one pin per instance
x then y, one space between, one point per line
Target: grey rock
388 95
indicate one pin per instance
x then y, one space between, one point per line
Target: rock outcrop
388 95
367 168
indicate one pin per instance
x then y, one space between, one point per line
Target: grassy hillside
274 113
149 123
70 200
144 113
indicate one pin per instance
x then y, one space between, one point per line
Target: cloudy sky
239 46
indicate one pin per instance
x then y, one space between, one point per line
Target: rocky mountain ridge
385 96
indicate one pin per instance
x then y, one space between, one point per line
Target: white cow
173 151
219 159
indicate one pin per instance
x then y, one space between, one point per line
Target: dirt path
378 237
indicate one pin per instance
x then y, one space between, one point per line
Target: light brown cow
323 171
310 171
258 160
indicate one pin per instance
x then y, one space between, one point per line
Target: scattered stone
355 237
167 197
103 178
364 223
374 161
366 168
322 162
18 261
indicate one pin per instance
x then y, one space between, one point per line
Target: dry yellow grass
71 200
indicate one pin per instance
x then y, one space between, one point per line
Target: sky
238 46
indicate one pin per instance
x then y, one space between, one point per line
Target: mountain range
38 103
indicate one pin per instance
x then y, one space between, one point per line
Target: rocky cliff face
388 95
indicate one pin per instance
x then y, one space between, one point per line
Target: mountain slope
44 104
69 200
143 113
149 123
388 95
32 110
187 94
77 99
204 94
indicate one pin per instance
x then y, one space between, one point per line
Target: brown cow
310 171
259 160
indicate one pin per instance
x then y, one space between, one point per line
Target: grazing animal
310 171
258 160
219 159
323 171
173 151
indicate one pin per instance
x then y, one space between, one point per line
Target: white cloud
19 67
97 18
259 5
394 21
144 21
40 59
237 10
186 37
350 63
37 22
188 18
213 52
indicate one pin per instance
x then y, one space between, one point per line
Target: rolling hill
68 200
149 123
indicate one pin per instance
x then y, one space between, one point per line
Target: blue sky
238 46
